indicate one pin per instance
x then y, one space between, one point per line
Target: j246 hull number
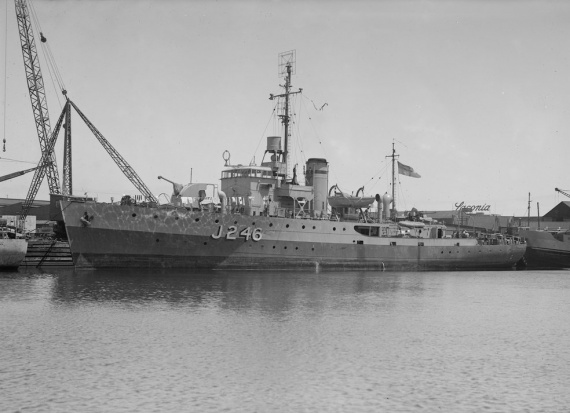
233 233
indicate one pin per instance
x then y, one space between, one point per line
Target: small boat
339 199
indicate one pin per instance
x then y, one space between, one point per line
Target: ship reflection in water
275 291
145 340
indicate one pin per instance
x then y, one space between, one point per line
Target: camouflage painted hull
12 252
131 236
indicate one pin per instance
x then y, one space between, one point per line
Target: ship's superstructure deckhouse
265 190
269 189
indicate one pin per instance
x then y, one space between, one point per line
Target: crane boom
40 172
37 93
562 192
119 160
17 174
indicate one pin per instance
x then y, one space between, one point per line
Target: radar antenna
286 64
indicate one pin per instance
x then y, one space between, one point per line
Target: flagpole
393 179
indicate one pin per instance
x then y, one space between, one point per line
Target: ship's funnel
386 201
317 176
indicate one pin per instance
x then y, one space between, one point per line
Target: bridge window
364 230
367 230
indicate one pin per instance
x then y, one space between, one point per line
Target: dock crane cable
53 69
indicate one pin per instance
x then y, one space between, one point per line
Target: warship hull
123 236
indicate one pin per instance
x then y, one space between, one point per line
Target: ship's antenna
286 65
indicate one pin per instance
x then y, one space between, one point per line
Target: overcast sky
475 94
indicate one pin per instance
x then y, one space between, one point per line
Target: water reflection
271 292
284 341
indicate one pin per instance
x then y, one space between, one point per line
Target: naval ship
260 217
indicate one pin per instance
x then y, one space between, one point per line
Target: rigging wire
316 134
5 75
16 160
296 123
271 117
53 69
377 176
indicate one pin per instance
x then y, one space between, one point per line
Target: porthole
253 224
296 248
274 247
285 247
197 219
314 227
157 240
205 243
216 221
235 222
287 226
134 215
334 228
303 227
271 224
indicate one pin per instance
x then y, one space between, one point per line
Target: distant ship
547 248
262 218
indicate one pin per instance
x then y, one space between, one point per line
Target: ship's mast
287 68
393 156
285 117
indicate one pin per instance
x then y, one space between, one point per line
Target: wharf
47 253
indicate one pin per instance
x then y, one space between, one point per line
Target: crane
123 165
17 174
37 96
48 166
48 139
563 192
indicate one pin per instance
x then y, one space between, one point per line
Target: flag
407 170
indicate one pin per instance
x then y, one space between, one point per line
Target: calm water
172 341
